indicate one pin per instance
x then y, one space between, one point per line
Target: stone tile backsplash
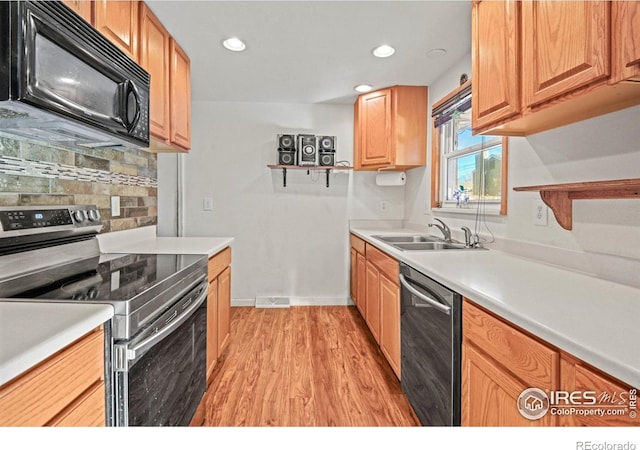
38 174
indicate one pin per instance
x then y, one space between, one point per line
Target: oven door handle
171 323
439 306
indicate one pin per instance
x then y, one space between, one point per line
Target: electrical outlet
207 204
540 214
384 206
115 206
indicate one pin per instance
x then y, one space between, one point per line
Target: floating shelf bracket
326 169
560 197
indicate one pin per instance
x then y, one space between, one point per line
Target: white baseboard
299 301
243 302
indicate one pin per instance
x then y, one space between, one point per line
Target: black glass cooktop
106 278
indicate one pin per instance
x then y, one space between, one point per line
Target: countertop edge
555 338
93 316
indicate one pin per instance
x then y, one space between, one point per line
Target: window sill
489 210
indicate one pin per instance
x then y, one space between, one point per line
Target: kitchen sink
401 239
429 246
423 243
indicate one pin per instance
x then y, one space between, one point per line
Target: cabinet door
224 309
490 393
374 114
212 328
180 97
83 8
372 315
625 42
118 22
390 322
361 293
566 46
610 393
353 284
155 47
495 61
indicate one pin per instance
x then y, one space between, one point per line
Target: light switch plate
115 206
207 204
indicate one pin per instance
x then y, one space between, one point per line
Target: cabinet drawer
357 244
385 263
219 262
39 395
87 411
531 361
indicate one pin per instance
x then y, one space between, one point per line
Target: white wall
167 194
290 241
605 240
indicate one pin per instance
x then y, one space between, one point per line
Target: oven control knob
79 216
94 215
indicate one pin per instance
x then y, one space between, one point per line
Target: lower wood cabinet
66 389
577 376
218 308
390 322
500 361
372 314
374 281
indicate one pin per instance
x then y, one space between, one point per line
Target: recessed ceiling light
234 44
383 51
436 53
363 87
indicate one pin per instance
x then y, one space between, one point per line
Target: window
466 169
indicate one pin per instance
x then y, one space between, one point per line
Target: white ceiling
313 51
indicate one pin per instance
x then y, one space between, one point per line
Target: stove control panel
36 217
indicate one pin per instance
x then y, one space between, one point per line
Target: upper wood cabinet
155 48
82 7
565 47
180 98
625 48
496 61
390 128
541 65
118 22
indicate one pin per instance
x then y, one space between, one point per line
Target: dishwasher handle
431 302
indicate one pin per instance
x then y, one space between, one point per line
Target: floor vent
272 302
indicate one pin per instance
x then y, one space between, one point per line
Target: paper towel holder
387 168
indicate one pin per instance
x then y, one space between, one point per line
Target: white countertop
31 332
593 319
144 240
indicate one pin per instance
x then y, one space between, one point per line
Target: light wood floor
304 366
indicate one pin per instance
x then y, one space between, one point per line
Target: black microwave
63 82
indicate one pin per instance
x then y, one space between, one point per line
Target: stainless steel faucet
467 237
444 228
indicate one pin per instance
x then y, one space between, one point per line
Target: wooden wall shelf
326 169
559 197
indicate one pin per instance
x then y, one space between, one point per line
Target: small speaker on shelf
326 143
287 157
307 151
286 142
327 158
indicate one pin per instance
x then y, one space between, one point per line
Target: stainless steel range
155 344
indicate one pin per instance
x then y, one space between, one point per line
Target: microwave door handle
172 323
126 90
439 306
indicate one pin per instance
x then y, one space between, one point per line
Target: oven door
160 374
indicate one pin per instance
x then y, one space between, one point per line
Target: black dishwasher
431 335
